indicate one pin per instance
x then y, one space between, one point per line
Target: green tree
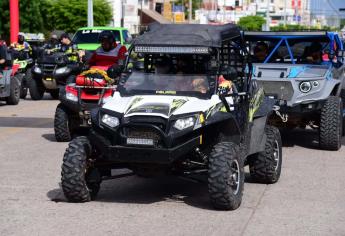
69 15
31 16
4 18
300 27
253 23
47 15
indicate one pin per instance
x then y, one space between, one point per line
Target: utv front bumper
126 154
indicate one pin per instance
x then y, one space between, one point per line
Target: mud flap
258 136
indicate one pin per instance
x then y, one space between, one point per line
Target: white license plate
140 141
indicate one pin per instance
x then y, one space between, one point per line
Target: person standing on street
5 66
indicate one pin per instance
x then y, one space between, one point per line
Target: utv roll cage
286 37
224 44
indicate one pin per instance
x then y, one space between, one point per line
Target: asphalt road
309 199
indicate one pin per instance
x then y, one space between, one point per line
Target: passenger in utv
260 52
313 53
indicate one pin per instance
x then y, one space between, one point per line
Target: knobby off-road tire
331 122
62 127
14 97
226 176
36 89
24 85
75 171
265 167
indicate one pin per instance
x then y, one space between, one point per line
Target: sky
327 6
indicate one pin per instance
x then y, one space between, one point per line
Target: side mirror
229 73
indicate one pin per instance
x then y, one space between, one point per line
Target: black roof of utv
187 35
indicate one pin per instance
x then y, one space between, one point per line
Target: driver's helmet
108 36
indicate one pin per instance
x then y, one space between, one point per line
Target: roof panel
187 35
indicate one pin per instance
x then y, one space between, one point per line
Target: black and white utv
192 109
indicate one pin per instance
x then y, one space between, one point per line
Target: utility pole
190 11
285 13
89 13
268 16
14 20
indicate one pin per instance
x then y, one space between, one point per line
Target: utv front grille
144 133
281 90
47 68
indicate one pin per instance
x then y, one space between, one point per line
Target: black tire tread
36 91
330 125
262 165
220 192
73 168
61 124
14 97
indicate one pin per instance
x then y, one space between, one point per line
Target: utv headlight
37 70
62 70
184 123
72 97
110 121
305 87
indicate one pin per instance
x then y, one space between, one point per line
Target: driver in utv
109 53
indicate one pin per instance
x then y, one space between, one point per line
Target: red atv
11 91
91 89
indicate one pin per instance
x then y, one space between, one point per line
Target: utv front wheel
76 172
36 89
61 124
226 176
265 167
331 123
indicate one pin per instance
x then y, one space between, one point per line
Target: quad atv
91 89
25 63
11 91
50 72
309 92
193 110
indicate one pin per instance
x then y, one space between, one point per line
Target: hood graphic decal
152 108
144 105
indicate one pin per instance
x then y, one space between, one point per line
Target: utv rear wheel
23 92
226 176
54 93
62 124
265 167
36 89
331 123
76 170
14 97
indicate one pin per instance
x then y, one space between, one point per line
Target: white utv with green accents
187 108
